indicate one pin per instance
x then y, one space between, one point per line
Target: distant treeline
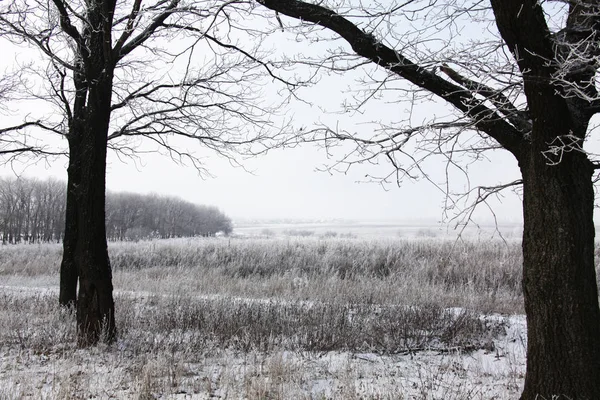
132 216
33 211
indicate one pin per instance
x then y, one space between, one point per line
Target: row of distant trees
131 216
33 211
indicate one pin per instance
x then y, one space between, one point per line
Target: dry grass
33 321
483 276
273 319
182 347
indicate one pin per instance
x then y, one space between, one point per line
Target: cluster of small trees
131 216
33 211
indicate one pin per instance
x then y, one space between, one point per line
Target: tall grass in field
482 275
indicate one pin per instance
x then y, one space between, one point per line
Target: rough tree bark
85 253
68 268
559 278
95 305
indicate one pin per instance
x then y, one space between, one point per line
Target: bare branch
137 41
519 119
41 42
129 26
65 21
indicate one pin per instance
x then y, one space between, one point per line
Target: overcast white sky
285 184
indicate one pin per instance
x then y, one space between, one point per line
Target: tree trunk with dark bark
95 305
68 268
559 276
559 281
85 256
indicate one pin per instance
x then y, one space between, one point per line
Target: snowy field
327 317
378 230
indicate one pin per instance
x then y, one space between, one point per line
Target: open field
482 276
289 318
377 229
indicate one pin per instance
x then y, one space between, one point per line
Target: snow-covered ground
495 371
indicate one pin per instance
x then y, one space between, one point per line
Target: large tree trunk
85 255
68 268
95 305
559 278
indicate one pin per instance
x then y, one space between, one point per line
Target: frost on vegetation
182 347
274 319
480 275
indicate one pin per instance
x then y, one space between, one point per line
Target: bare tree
526 84
134 77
